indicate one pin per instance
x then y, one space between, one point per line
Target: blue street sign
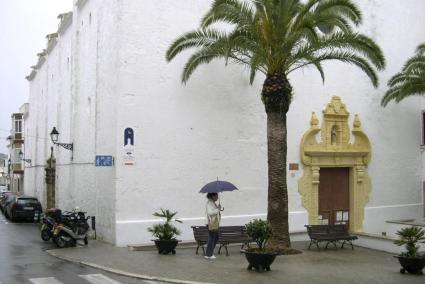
104 161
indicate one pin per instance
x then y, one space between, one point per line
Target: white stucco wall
214 126
67 93
104 104
396 164
187 135
49 106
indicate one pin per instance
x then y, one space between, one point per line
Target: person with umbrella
213 223
212 211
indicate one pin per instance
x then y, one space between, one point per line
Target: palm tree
165 231
410 81
276 37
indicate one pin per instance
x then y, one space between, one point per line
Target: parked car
3 199
3 188
22 207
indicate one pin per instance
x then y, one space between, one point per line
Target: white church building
142 141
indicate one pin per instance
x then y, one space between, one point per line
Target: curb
125 273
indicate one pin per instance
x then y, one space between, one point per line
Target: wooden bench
329 234
226 235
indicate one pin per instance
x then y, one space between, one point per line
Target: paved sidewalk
325 266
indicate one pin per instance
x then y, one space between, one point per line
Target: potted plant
166 233
259 258
411 260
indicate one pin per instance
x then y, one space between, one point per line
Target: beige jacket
212 211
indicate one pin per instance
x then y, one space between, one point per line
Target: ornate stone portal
335 150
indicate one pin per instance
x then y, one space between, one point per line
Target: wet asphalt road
23 260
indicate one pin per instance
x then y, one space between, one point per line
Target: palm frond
203 56
401 78
229 11
421 48
343 56
410 81
193 39
338 23
318 66
415 63
358 43
345 8
274 36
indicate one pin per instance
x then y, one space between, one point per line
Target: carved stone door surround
335 150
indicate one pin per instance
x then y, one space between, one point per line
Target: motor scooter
70 232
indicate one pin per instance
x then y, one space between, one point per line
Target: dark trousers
212 241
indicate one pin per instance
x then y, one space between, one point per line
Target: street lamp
54 135
21 156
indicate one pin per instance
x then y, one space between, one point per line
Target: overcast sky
24 25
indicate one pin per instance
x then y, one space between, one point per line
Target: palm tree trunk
277 212
276 95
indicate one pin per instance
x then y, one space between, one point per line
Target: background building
16 141
104 84
3 169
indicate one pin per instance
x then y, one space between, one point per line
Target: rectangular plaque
338 216
293 167
345 216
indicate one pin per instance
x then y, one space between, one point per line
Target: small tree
410 237
260 231
166 231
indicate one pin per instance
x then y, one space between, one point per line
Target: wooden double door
334 196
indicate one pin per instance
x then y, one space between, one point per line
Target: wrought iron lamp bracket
68 146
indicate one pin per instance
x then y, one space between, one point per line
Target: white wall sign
128 158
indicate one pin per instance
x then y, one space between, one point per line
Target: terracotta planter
259 261
413 265
166 246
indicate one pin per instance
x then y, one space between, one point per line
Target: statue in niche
334 135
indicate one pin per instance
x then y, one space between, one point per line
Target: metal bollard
93 225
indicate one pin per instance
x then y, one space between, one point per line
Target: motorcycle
73 228
53 215
47 228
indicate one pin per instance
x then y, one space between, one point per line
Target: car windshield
10 197
27 201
